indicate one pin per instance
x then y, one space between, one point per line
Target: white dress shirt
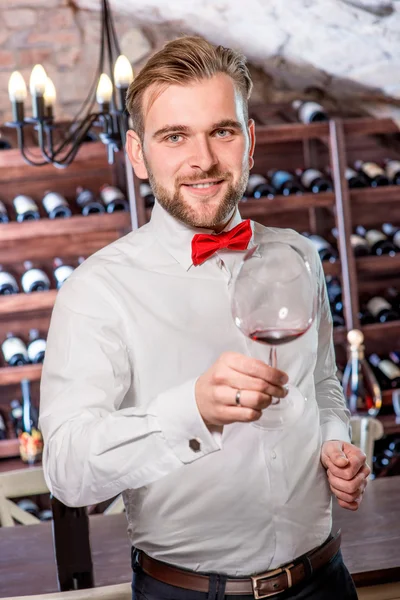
132 329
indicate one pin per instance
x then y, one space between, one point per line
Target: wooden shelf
377 265
25 303
75 225
391 423
383 194
14 375
9 448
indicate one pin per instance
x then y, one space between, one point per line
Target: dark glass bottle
25 208
4 218
310 112
147 194
61 271
34 280
258 187
358 243
3 429
360 386
14 351
16 416
334 290
87 202
373 173
386 371
56 206
393 233
315 181
285 183
113 198
8 283
36 347
365 317
338 319
378 242
30 440
72 546
392 295
381 310
325 250
392 168
355 180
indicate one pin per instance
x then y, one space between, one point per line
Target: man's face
197 149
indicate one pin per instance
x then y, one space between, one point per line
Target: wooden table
371 546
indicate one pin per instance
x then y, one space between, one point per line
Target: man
148 387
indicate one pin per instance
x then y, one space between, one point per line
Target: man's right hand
216 389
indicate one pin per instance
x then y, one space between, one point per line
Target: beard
175 204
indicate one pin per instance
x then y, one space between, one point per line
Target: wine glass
274 303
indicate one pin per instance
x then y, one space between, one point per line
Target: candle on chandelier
104 92
37 86
17 92
123 77
50 96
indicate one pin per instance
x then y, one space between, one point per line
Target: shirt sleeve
334 415
94 448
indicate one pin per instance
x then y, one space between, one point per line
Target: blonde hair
187 59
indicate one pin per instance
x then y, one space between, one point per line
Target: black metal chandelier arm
21 146
67 159
76 134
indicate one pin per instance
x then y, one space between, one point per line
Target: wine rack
40 241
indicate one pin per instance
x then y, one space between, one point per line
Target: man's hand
216 389
347 472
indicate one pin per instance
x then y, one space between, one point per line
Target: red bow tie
205 245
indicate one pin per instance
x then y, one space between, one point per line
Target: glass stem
273 361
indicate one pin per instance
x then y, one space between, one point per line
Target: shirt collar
176 237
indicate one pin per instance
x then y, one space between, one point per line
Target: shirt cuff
181 424
335 430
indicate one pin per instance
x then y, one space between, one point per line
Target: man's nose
202 156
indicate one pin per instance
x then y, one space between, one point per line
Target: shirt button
273 454
195 445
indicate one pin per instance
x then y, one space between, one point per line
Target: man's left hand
347 472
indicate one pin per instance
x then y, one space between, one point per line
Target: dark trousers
331 582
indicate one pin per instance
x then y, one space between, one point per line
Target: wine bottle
45 515
334 290
34 280
61 271
56 206
114 200
25 208
365 317
393 233
355 180
36 347
16 416
87 202
358 243
325 250
386 371
315 181
381 310
285 183
392 295
8 283
258 187
30 439
5 144
4 218
3 429
378 242
360 386
392 168
373 173
29 506
147 194
14 351
310 112
72 546
338 319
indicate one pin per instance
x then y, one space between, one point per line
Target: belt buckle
271 574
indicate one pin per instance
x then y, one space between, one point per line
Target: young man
148 387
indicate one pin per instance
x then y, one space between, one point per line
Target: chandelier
103 107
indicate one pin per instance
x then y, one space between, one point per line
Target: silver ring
237 398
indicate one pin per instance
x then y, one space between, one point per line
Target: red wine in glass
275 337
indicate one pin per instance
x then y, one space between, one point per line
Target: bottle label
84 197
31 446
375 305
372 169
392 169
62 273
319 242
110 193
389 369
280 177
12 346
3 208
23 204
309 175
373 236
35 347
349 173
357 240
31 277
308 109
8 279
254 181
53 200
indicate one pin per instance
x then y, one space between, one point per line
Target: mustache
211 174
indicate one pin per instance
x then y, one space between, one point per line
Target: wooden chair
121 591
14 484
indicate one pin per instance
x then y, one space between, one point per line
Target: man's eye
175 137
223 132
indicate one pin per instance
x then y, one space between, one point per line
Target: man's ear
134 150
252 136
